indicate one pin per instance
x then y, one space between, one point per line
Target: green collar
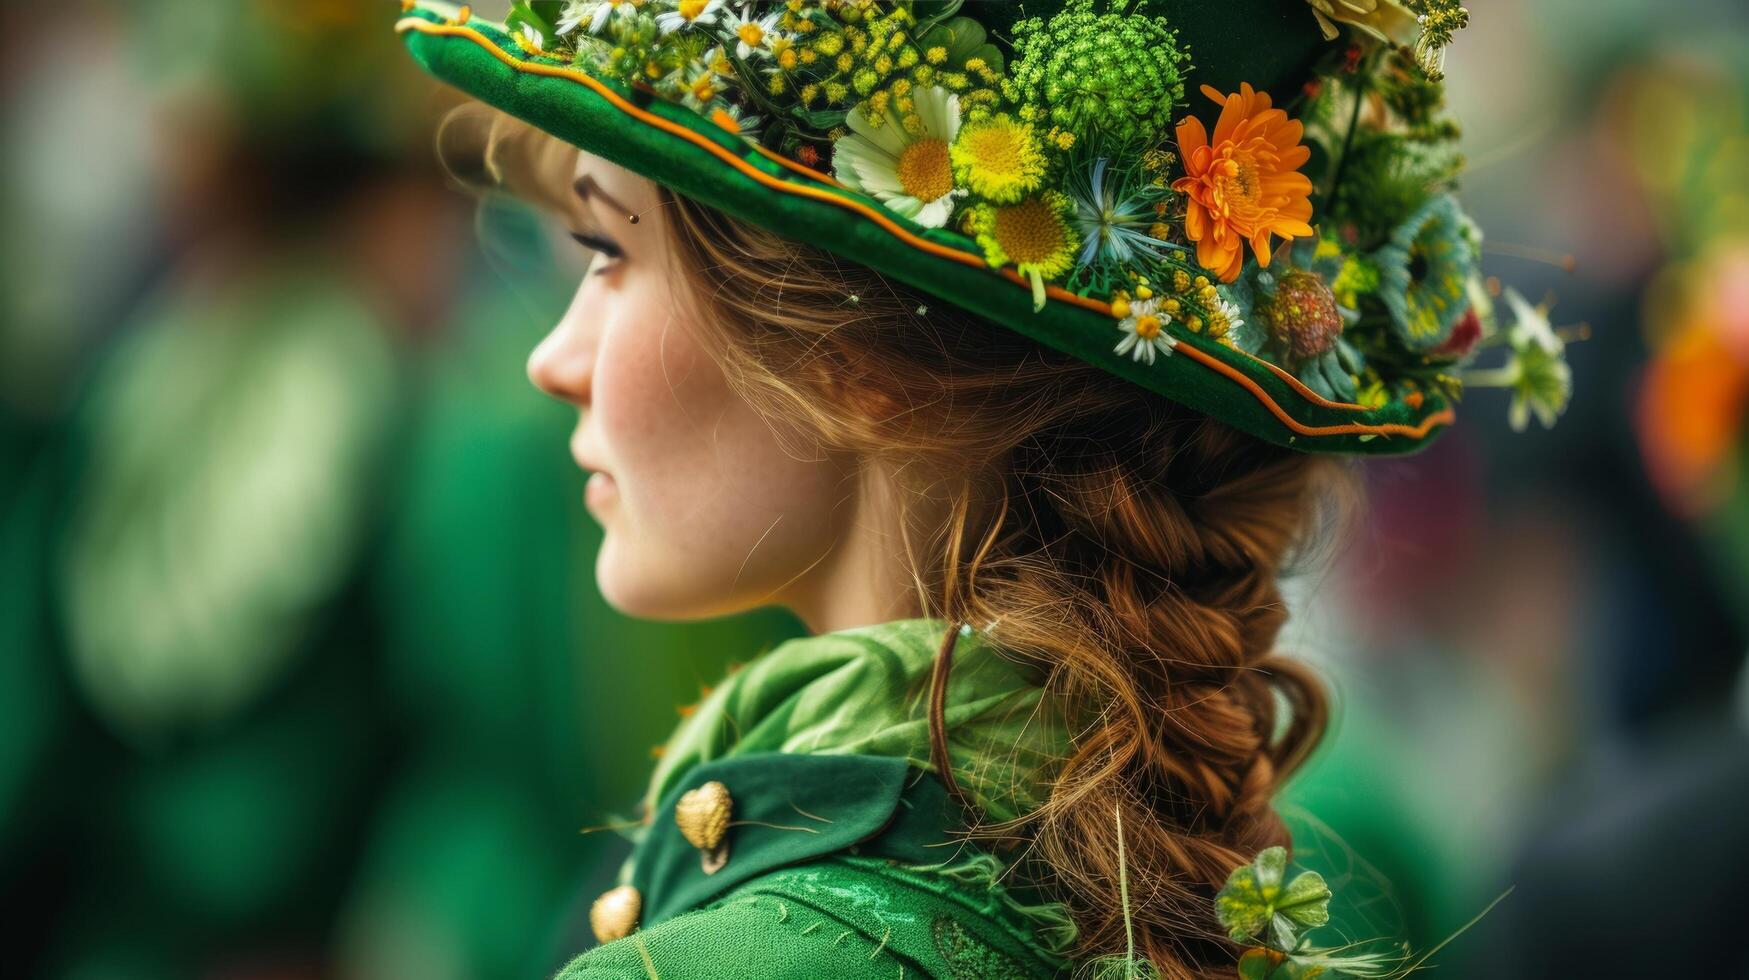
822 744
865 691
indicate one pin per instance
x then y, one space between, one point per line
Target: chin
644 591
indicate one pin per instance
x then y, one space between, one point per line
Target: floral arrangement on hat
1320 234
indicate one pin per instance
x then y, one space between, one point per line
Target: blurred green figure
295 656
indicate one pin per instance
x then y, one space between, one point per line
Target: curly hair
1129 546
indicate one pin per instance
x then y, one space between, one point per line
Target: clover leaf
1254 899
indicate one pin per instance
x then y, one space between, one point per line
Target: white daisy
1387 20
1540 380
687 14
1231 311
752 36
1531 324
1535 372
911 174
1144 331
575 13
595 12
736 120
529 39
699 88
696 83
717 60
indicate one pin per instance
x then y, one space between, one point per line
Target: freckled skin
708 512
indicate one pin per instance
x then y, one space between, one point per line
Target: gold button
615 914
703 815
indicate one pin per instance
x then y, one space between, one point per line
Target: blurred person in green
1641 845
289 689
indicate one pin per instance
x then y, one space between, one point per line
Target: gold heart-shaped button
703 815
615 914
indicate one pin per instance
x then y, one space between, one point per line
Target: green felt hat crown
1242 205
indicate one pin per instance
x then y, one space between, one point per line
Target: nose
563 363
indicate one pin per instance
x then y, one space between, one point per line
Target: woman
1001 367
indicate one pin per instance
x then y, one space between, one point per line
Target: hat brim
692 156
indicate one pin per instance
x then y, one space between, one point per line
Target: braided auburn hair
1129 546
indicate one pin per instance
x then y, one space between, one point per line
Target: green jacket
838 856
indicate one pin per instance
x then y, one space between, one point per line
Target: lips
599 490
580 453
600 487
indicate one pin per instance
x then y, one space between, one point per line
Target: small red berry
1464 335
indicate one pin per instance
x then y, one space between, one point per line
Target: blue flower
1114 212
1423 272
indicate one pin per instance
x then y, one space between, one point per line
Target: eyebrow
586 188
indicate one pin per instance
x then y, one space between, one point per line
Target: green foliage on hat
1053 146
1116 75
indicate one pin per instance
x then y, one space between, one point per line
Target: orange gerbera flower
1245 184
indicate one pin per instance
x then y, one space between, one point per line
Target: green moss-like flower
1110 75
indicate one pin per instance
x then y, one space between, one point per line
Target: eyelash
602 245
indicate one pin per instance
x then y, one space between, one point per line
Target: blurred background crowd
302 668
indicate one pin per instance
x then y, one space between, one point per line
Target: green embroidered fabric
969 957
847 918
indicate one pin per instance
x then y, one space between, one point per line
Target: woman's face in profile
703 511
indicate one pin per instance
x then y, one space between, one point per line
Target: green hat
1244 206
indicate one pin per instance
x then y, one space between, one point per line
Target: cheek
713 512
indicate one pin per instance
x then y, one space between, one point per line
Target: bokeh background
302 669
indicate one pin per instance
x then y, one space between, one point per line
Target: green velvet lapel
789 809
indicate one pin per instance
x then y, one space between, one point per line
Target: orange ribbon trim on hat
728 156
